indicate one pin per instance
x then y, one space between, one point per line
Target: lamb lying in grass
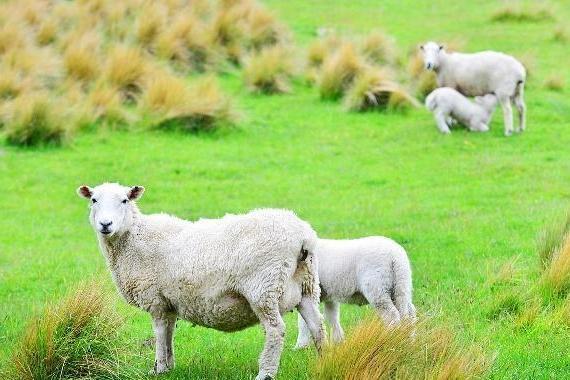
373 270
449 105
226 274
479 74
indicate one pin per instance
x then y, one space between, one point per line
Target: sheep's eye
124 201
93 200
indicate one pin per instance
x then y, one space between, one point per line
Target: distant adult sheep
449 105
480 74
373 270
226 274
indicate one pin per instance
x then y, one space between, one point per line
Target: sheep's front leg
507 115
441 121
309 310
332 315
163 326
304 335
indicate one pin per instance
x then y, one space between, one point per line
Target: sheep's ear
85 192
421 47
441 47
135 193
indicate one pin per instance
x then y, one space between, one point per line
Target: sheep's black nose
105 225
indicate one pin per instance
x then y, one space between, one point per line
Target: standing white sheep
480 74
373 270
225 274
449 105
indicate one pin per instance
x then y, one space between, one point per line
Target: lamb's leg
481 127
274 327
507 115
332 315
304 335
521 108
163 326
441 121
379 297
309 310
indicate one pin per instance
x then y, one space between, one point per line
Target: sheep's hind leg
521 108
507 115
163 326
304 335
309 310
332 315
441 121
274 327
382 302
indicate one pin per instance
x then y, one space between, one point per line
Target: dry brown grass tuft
551 239
11 37
125 69
554 83
47 32
81 62
406 351
104 102
379 48
339 71
519 13
76 338
263 29
36 120
269 71
374 88
150 22
172 103
11 84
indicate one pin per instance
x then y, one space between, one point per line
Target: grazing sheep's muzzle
105 230
429 66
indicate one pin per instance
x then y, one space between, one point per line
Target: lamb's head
487 101
111 207
432 52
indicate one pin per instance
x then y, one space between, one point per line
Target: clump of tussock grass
374 88
560 34
407 351
150 21
551 239
339 71
104 104
74 339
528 316
506 304
11 84
379 48
200 106
269 71
81 62
125 69
518 13
263 29
554 83
555 279
36 120
47 32
11 37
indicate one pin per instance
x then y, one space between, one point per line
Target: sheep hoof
508 133
158 368
301 346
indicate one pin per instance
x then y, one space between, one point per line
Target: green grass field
462 205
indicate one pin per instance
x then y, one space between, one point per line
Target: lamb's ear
85 191
135 193
441 47
422 47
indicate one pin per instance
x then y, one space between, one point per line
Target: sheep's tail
403 285
519 89
430 102
307 265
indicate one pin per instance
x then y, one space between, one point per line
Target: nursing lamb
479 74
225 274
373 270
448 105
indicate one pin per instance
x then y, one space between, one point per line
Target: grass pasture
462 205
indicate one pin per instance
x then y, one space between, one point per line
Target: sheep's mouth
105 231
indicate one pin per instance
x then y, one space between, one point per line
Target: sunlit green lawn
461 204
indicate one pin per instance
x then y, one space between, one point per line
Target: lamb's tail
430 102
519 89
403 285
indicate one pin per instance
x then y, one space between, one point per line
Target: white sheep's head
487 101
431 52
111 207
